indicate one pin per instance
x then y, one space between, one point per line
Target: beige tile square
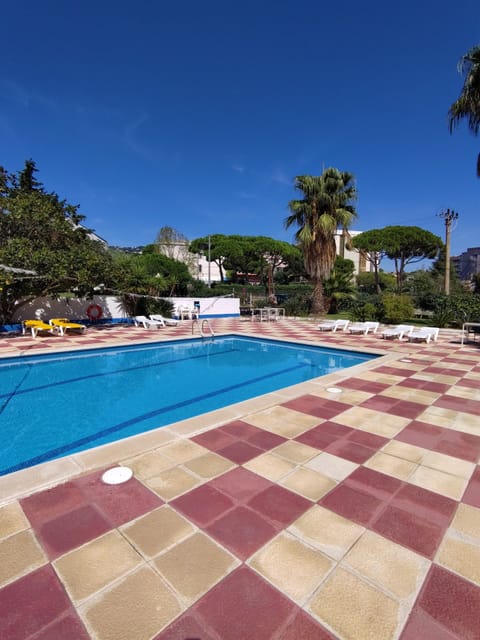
438 417
377 422
209 465
443 483
157 531
391 465
460 556
195 565
295 452
182 450
389 565
405 451
270 466
149 464
20 553
449 464
331 466
293 567
12 520
90 568
308 483
355 610
326 531
467 521
466 422
411 395
464 392
140 606
384 378
171 483
285 422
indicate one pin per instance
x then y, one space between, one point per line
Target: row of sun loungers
401 331
55 325
154 321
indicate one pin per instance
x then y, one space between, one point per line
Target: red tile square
224 607
421 626
452 602
240 484
352 504
239 429
265 440
240 452
49 504
374 483
369 440
214 439
379 403
350 451
407 409
335 429
203 504
472 492
317 437
364 385
187 627
68 627
460 445
409 530
118 503
71 530
420 434
31 603
279 505
427 504
242 530
315 406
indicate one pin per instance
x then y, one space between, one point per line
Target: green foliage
298 305
456 309
42 233
366 282
362 308
397 308
371 245
424 288
326 205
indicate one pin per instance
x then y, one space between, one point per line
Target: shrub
397 308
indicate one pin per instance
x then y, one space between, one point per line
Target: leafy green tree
219 248
370 244
325 206
467 106
367 283
41 233
408 245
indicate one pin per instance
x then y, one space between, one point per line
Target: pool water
58 404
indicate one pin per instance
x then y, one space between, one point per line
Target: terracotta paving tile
366 439
240 484
364 385
352 504
472 492
189 627
451 602
421 625
214 439
350 450
118 503
421 434
427 504
240 452
49 504
202 505
303 627
31 603
374 483
69 626
316 406
239 429
279 505
223 608
394 406
424 385
266 440
242 531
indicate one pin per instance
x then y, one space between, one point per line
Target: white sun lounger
364 327
146 323
398 332
425 333
169 322
333 325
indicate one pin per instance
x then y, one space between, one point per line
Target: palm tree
468 104
326 206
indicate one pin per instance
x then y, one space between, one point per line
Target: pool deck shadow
344 507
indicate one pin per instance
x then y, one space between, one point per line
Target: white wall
219 306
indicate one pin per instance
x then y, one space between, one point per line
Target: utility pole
449 217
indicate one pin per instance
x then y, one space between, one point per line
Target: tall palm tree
326 206
468 104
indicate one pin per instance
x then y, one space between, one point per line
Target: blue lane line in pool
108 373
53 453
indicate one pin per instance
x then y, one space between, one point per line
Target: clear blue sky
198 115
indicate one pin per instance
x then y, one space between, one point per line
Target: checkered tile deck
351 515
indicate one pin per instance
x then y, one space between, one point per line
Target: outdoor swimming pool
58 404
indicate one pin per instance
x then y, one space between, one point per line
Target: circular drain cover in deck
117 475
405 360
334 390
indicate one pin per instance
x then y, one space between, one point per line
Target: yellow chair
63 324
35 326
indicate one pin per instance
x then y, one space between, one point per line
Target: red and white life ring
94 312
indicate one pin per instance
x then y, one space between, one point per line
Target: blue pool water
54 405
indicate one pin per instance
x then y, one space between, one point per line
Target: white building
359 260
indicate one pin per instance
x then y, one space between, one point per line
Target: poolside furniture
470 327
397 332
168 322
364 327
35 326
62 325
425 333
188 313
333 325
146 323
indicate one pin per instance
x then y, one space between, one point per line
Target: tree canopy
41 233
326 205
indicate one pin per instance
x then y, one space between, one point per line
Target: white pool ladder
203 331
